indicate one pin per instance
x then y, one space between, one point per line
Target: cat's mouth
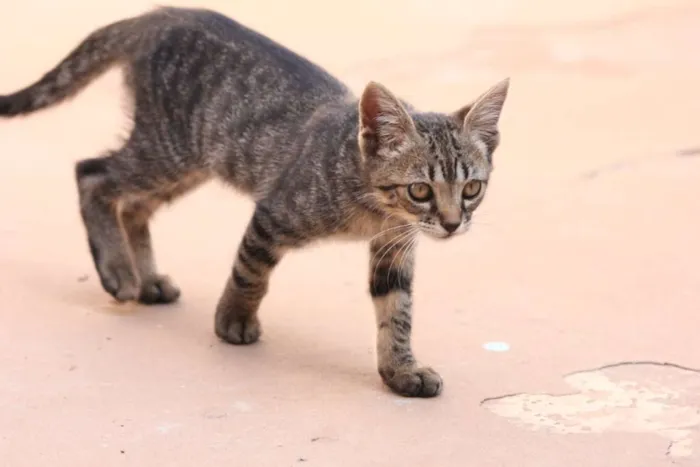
437 232
441 233
444 236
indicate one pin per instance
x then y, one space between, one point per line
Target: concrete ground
583 260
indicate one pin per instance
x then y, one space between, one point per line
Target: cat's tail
95 55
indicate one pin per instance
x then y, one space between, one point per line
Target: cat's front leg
262 247
391 276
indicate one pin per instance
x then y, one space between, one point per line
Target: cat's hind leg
100 191
118 194
155 288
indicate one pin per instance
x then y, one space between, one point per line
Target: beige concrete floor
584 255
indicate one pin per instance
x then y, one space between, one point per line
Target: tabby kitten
212 98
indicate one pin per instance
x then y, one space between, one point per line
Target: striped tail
95 55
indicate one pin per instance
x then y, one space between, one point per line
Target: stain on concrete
687 152
630 397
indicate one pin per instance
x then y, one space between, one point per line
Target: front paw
412 381
238 330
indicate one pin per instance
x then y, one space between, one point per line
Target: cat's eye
471 189
420 192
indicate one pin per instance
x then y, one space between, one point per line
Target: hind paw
158 290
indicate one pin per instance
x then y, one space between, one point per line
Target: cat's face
430 170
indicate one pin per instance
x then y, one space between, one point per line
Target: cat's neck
331 138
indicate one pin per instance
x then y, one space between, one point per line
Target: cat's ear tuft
480 119
384 122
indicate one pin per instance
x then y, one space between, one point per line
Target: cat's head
429 169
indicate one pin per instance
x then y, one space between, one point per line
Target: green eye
471 189
420 192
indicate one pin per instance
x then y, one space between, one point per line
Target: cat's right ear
385 125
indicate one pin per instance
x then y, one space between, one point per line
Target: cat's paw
239 331
158 290
413 381
119 281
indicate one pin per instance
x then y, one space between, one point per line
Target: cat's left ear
480 119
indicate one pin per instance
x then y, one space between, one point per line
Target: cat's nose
450 227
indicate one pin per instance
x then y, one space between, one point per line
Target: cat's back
273 61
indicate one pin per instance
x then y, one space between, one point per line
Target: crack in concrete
600 368
662 398
638 362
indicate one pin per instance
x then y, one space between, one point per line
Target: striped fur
214 99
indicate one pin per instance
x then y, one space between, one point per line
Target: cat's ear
384 122
480 119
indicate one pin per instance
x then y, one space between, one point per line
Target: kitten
213 98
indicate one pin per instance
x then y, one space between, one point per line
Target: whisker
403 255
411 251
391 243
388 246
402 226
397 255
